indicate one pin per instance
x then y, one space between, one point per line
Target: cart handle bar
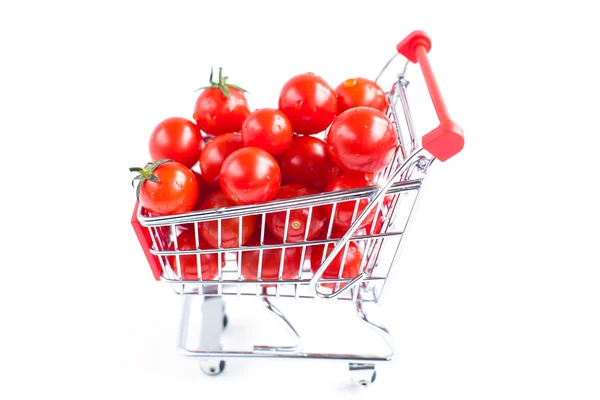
447 139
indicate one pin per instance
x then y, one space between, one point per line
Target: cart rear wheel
225 321
362 374
213 367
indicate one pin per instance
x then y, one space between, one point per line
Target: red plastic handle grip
447 139
143 235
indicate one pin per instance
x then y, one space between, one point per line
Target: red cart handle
447 139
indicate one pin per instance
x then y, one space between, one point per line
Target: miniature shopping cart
392 201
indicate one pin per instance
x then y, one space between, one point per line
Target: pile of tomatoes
228 155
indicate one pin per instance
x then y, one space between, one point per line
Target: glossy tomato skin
176 193
209 230
365 230
177 139
307 161
267 129
250 175
215 152
271 260
204 189
309 102
298 218
186 240
342 218
363 140
216 114
351 263
360 92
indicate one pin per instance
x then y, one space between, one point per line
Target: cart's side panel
143 235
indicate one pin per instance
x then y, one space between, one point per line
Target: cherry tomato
250 175
360 92
230 227
297 218
204 189
221 107
176 139
269 130
351 266
166 187
342 218
307 161
271 260
362 139
186 240
215 152
365 230
309 102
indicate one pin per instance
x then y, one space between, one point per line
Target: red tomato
250 175
309 102
298 218
176 139
351 266
204 189
307 162
186 240
360 92
365 230
221 107
362 139
215 152
271 260
267 129
230 227
166 187
342 218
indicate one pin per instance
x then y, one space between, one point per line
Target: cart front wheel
362 374
213 367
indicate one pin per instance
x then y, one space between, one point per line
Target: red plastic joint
407 47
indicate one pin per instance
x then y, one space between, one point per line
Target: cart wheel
362 374
225 321
213 367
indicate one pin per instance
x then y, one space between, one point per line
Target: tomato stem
222 84
146 173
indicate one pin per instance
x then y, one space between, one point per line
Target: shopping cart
389 205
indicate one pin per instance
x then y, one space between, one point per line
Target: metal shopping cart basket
390 204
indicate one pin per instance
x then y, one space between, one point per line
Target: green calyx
146 174
222 84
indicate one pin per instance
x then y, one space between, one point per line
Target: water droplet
349 82
246 190
298 104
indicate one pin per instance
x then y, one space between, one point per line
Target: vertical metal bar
219 258
239 255
407 115
260 253
397 124
176 248
198 257
162 259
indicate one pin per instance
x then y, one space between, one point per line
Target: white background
496 295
